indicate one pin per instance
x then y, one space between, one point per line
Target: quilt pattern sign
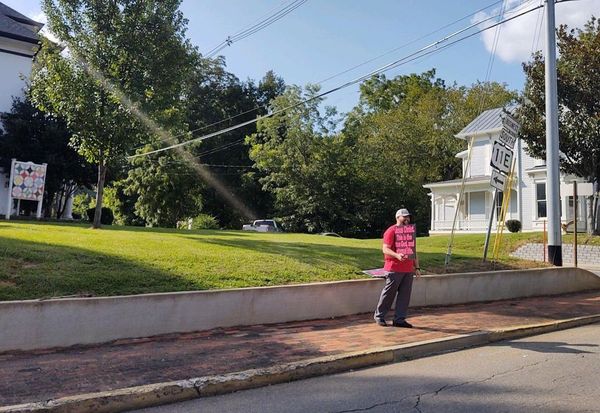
28 181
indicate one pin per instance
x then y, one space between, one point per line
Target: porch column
432 196
68 213
519 180
456 213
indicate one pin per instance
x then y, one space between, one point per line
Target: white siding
480 157
529 180
11 84
477 205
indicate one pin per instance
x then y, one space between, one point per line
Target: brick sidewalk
42 375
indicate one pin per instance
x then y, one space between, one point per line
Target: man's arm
417 266
387 250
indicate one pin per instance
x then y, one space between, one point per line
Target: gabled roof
489 121
17 26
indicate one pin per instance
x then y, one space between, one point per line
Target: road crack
445 387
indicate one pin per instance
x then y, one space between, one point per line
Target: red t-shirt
392 264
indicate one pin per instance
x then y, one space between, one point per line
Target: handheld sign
406 240
377 272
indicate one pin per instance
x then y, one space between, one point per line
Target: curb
176 391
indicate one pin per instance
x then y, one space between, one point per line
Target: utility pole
552 160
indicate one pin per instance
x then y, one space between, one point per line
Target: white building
528 196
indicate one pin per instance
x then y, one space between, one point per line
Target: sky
322 38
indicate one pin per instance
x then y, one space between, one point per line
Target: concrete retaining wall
586 254
26 325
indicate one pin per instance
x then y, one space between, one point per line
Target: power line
411 42
357 66
249 31
180 161
424 51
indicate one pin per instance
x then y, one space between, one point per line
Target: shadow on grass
30 270
361 258
305 252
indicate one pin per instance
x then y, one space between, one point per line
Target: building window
540 196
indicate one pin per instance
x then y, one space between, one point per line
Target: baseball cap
402 212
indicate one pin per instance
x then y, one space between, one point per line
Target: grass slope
40 260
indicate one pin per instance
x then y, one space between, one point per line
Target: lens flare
203 172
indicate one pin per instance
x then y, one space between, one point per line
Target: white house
528 196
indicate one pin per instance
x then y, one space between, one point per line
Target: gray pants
396 283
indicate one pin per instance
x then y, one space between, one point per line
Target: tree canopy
351 180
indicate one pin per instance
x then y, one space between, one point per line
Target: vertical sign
406 240
27 181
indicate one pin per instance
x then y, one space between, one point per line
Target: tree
306 166
216 95
404 130
125 59
166 190
29 134
578 70
399 137
211 96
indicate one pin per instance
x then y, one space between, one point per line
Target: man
399 279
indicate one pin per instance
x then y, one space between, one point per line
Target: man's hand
417 273
400 257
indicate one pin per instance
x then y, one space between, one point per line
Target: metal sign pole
40 202
575 223
489 230
10 187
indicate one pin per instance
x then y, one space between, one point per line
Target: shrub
106 218
513 225
205 221
82 202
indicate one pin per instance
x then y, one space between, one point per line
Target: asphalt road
556 372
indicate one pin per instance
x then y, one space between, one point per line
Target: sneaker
403 323
381 322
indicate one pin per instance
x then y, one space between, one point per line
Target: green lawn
40 260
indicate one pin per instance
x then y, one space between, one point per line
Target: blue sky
325 37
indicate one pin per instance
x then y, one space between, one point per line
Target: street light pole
552 160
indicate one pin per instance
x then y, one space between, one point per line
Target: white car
262 225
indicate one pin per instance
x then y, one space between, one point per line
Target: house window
540 196
499 200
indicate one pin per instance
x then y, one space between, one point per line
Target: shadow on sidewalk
556 347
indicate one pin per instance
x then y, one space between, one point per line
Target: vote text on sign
501 158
